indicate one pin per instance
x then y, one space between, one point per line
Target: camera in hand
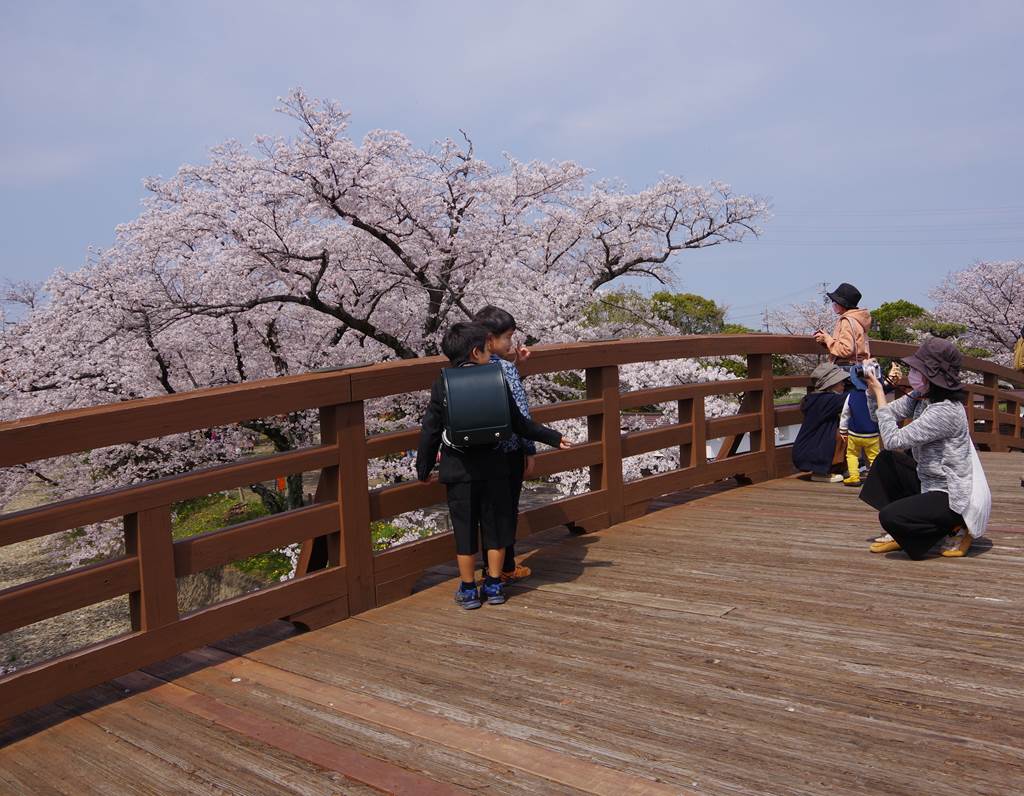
871 367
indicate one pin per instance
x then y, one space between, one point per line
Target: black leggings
516 466
915 519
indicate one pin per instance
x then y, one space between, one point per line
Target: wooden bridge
704 637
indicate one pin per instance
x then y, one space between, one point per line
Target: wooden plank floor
744 642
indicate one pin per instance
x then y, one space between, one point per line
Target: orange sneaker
521 571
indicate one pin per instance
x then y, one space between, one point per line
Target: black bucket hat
939 360
846 295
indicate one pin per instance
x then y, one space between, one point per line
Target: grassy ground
223 509
790 398
220 510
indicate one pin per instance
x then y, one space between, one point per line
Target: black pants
518 467
915 519
481 511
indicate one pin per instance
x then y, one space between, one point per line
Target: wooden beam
345 426
95 664
225 545
759 366
606 428
59 433
19 526
147 535
41 599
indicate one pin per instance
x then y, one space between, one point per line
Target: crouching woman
939 490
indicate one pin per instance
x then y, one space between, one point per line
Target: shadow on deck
744 642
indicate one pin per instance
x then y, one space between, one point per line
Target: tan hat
827 375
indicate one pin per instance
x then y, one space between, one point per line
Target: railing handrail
339 574
59 433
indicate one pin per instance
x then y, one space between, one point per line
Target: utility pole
764 318
824 290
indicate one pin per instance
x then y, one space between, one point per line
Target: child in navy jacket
815 444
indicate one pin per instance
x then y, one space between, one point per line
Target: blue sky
888 136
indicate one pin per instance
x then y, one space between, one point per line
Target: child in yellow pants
854 445
861 433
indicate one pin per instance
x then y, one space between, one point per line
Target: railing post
991 404
759 366
694 454
344 425
970 411
603 383
1014 407
147 535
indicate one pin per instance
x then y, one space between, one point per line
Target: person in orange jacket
848 343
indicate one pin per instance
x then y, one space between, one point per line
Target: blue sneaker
494 592
468 598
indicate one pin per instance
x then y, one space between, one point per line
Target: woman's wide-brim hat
939 360
827 375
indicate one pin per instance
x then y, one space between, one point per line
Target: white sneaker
885 537
827 479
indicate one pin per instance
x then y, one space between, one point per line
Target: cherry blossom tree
987 298
802 319
318 251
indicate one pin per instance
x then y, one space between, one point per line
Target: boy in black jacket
478 478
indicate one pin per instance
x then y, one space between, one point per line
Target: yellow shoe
853 480
958 545
521 571
884 547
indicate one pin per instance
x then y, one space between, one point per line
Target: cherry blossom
321 251
987 298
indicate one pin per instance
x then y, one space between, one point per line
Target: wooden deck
744 642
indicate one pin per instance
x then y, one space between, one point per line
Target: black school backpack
476 406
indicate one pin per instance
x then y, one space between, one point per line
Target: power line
936 227
817 211
774 299
853 243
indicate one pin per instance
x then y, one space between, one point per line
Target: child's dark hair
495 320
460 340
937 393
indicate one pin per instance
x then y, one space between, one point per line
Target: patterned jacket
515 385
940 442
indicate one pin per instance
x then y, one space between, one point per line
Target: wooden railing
339 574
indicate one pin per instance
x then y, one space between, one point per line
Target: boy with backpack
477 477
501 326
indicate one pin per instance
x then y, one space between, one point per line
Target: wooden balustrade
339 574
